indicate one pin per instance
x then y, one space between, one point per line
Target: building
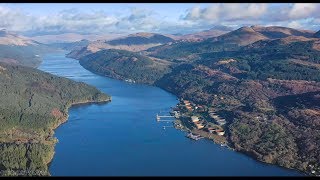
212 130
220 132
219 120
186 102
200 108
194 119
199 125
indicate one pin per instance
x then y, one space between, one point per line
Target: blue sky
104 18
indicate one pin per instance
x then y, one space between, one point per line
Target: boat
223 144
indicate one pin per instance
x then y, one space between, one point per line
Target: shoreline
227 139
50 139
65 119
232 148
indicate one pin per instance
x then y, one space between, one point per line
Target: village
199 121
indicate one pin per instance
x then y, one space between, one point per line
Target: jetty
164 127
194 136
166 120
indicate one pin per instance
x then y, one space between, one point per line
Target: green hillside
123 65
32 104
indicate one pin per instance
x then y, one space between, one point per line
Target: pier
164 127
166 116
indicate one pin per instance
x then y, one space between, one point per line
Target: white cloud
15 20
194 13
303 10
211 13
138 20
295 24
293 15
196 18
227 12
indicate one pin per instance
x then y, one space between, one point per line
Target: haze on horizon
33 19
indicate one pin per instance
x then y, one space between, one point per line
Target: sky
167 18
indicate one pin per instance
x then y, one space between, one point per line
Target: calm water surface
123 138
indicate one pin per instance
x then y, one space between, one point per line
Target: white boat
224 144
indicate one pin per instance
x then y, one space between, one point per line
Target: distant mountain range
133 42
13 39
71 37
230 41
202 35
16 49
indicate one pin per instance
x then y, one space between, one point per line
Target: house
212 130
220 132
186 102
195 119
199 125
200 108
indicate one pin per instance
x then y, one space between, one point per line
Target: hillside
256 125
274 32
69 46
33 103
121 64
141 38
317 34
9 38
16 49
133 42
227 42
247 78
231 41
242 36
202 35
71 37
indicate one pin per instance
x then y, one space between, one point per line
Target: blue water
122 138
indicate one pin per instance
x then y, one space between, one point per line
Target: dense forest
122 64
251 85
25 159
33 103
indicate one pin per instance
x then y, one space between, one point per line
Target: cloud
304 10
237 15
197 18
15 20
139 20
294 24
194 13
226 12
74 20
70 20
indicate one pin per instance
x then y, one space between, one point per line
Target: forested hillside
32 104
264 80
123 65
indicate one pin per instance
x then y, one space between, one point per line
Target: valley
254 89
